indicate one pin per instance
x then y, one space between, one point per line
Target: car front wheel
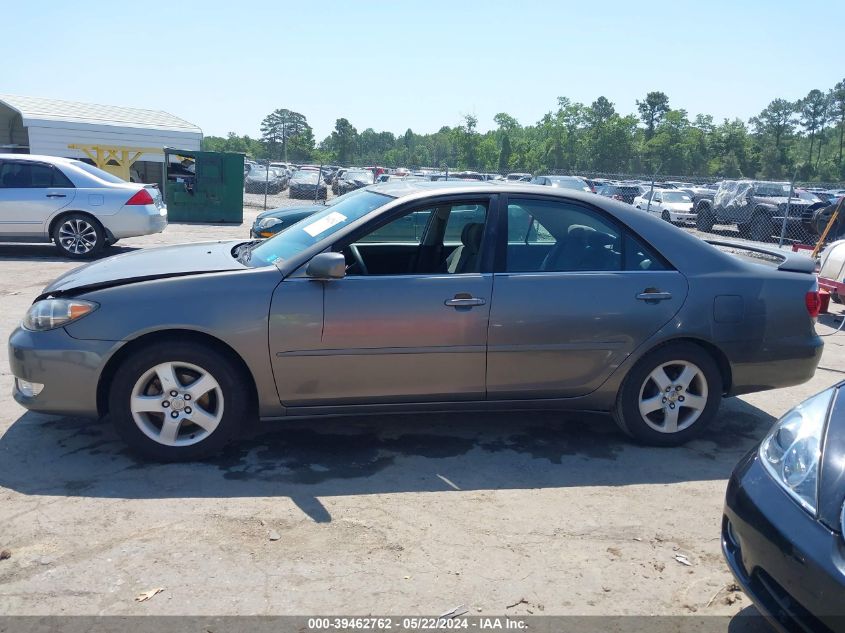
176 401
669 396
79 236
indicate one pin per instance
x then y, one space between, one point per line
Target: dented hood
146 264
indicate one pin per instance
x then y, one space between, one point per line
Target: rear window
97 172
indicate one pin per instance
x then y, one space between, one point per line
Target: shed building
35 125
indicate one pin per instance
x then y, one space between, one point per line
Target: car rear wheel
669 396
705 219
79 236
762 227
176 401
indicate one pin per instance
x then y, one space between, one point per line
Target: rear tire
211 404
705 218
669 396
761 227
79 236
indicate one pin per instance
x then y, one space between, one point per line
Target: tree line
802 138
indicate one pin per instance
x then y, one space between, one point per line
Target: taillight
616 196
813 302
142 197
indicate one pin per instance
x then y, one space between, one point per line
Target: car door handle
654 295
56 195
464 301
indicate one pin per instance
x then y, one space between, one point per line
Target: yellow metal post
115 159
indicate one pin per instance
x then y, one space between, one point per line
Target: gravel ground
505 513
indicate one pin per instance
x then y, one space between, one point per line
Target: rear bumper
774 363
68 368
134 221
789 564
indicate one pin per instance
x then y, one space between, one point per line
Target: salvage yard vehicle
564 182
263 179
81 208
757 208
271 221
420 296
784 519
307 183
672 205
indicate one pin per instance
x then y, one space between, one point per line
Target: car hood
775 200
286 211
146 264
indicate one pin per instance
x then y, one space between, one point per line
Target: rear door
30 194
561 324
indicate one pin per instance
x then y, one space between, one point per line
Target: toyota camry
420 296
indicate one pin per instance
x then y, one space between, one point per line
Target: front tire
175 402
762 227
79 236
666 217
669 396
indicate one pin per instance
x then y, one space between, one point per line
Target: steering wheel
359 261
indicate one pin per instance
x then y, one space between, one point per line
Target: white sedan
670 204
81 208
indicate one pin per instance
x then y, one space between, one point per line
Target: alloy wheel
177 403
673 396
77 236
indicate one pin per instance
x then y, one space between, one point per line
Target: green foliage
806 137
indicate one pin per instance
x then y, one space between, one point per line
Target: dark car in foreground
782 530
420 296
272 221
307 184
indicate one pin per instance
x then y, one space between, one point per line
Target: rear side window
577 239
26 175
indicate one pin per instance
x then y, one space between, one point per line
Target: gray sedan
415 296
76 205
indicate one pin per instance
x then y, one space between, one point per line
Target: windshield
96 172
675 196
771 190
305 233
307 176
359 175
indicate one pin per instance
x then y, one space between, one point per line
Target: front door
575 296
407 324
30 194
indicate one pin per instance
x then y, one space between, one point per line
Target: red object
142 197
824 301
813 302
801 247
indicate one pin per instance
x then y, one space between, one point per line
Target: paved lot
506 513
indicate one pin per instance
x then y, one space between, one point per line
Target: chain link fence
782 213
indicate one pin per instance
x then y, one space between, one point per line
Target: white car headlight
791 450
266 223
52 313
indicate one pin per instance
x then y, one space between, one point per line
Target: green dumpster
204 186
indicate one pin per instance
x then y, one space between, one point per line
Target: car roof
37 157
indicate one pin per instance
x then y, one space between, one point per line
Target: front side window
557 236
444 238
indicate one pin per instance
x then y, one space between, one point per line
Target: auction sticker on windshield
324 224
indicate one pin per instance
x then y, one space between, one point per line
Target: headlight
791 450
53 313
266 223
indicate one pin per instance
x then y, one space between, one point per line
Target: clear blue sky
393 64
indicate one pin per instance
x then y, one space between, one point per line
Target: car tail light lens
142 197
813 302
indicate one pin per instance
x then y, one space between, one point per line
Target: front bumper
790 565
68 368
682 217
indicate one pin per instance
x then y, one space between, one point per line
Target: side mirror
327 266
